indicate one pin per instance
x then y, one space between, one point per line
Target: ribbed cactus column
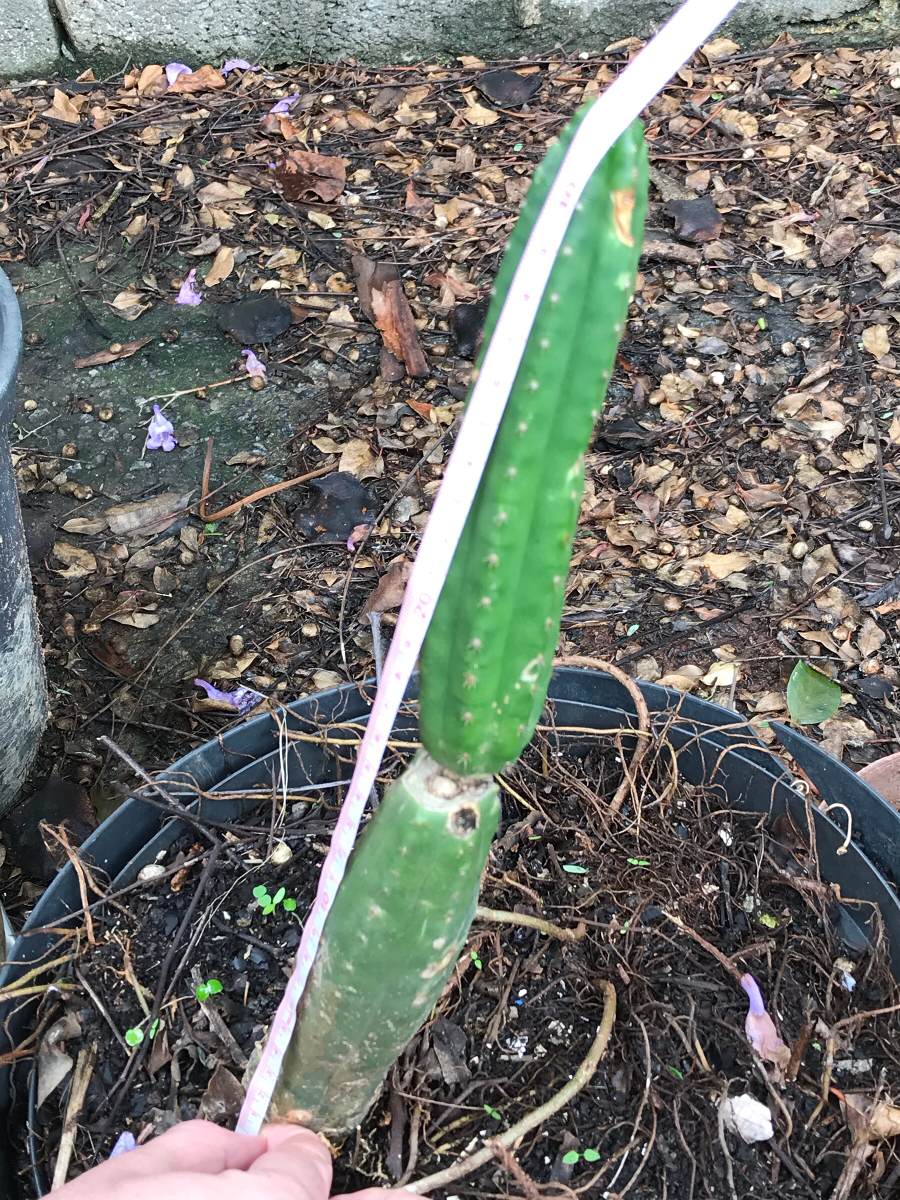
403 911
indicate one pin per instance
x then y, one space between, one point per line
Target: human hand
283 1163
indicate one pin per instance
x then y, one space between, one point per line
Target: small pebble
69 450
30 405
866 525
236 644
151 871
105 414
799 550
309 629
788 349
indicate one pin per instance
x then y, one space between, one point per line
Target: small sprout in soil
269 904
476 960
493 1112
639 862
574 869
134 1037
675 1072
761 323
574 1156
768 920
203 991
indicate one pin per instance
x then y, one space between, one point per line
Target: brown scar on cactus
623 202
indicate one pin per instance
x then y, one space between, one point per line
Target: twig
100 1007
174 806
583 1076
513 1167
723 1142
230 509
81 874
81 1078
876 434
707 946
94 321
502 917
642 741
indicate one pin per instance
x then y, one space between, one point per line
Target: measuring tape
610 116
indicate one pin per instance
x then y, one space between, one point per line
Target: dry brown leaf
871 637
359 459
717 49
720 566
477 114
876 340
130 304
221 268
78 562
742 123
819 564
304 175
766 287
148 516
839 732
62 109
152 81
388 592
838 245
136 620
84 525
323 220
394 320
220 193
184 176
113 353
869 1119
205 79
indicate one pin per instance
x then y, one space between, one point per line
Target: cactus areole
403 911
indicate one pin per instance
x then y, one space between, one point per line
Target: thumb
297 1163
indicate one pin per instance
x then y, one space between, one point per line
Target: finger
195 1146
297 1166
378 1194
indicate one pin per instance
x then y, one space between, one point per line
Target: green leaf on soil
811 696
571 1157
574 869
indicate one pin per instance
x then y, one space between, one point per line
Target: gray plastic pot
23 686
713 746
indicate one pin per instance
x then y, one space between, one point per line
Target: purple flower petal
283 107
173 70
124 1143
761 1031
188 293
160 432
242 699
238 64
253 366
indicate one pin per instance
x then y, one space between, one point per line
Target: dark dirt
520 1013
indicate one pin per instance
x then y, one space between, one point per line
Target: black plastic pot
713 745
23 688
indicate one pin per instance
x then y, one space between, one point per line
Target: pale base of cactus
391 941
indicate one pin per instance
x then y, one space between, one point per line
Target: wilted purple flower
124 1143
238 64
160 432
173 70
242 699
283 107
760 1028
188 293
253 366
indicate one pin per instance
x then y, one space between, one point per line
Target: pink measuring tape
610 116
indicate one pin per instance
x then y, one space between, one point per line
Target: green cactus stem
399 922
488 655
403 911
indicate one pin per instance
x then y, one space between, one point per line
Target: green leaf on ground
811 696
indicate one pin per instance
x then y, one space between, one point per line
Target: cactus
404 908
396 930
488 654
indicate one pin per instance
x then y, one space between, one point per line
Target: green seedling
476 960
675 1072
575 1156
493 1113
203 991
639 862
135 1035
270 904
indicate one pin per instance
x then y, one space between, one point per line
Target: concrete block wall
106 32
